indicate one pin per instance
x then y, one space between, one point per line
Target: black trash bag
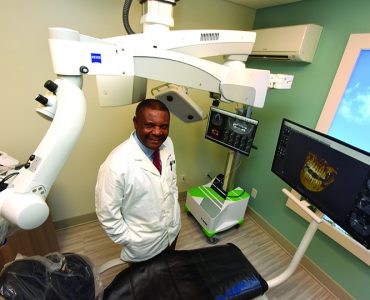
55 276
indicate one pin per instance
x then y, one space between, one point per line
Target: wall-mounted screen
231 130
330 174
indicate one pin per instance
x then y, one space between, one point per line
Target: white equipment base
213 213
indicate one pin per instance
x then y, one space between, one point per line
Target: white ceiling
256 4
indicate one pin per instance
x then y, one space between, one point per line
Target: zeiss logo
96 58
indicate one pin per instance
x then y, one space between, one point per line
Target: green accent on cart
241 221
207 192
208 233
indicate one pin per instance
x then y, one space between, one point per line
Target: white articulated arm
247 86
144 56
305 242
206 43
23 202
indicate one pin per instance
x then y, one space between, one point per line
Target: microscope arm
246 86
23 202
139 55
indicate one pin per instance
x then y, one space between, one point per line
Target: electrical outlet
254 193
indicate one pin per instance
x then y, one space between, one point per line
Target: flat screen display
231 130
330 174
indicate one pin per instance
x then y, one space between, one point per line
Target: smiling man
136 194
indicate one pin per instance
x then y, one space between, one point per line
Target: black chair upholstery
218 272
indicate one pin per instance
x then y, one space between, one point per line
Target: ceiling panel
256 4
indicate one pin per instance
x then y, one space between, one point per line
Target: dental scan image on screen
332 175
316 174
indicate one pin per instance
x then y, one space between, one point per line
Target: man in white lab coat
136 203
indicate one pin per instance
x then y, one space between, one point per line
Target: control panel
231 130
283 142
360 215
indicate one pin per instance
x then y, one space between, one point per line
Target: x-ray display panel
231 130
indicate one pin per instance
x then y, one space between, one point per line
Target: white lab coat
137 206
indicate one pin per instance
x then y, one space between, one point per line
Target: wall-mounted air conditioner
291 43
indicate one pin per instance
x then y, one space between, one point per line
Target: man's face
152 127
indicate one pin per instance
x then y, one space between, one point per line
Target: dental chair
218 272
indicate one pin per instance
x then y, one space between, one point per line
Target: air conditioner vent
209 36
270 57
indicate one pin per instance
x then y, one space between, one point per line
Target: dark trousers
173 245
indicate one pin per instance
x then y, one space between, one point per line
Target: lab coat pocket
148 228
145 236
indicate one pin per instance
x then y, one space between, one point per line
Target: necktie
157 161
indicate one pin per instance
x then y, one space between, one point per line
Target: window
351 122
346 116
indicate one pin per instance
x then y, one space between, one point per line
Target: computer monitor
231 130
332 175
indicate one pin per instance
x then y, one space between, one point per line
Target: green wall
303 103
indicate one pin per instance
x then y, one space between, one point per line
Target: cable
3 184
236 196
8 176
125 16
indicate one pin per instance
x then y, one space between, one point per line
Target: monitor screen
231 130
330 174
